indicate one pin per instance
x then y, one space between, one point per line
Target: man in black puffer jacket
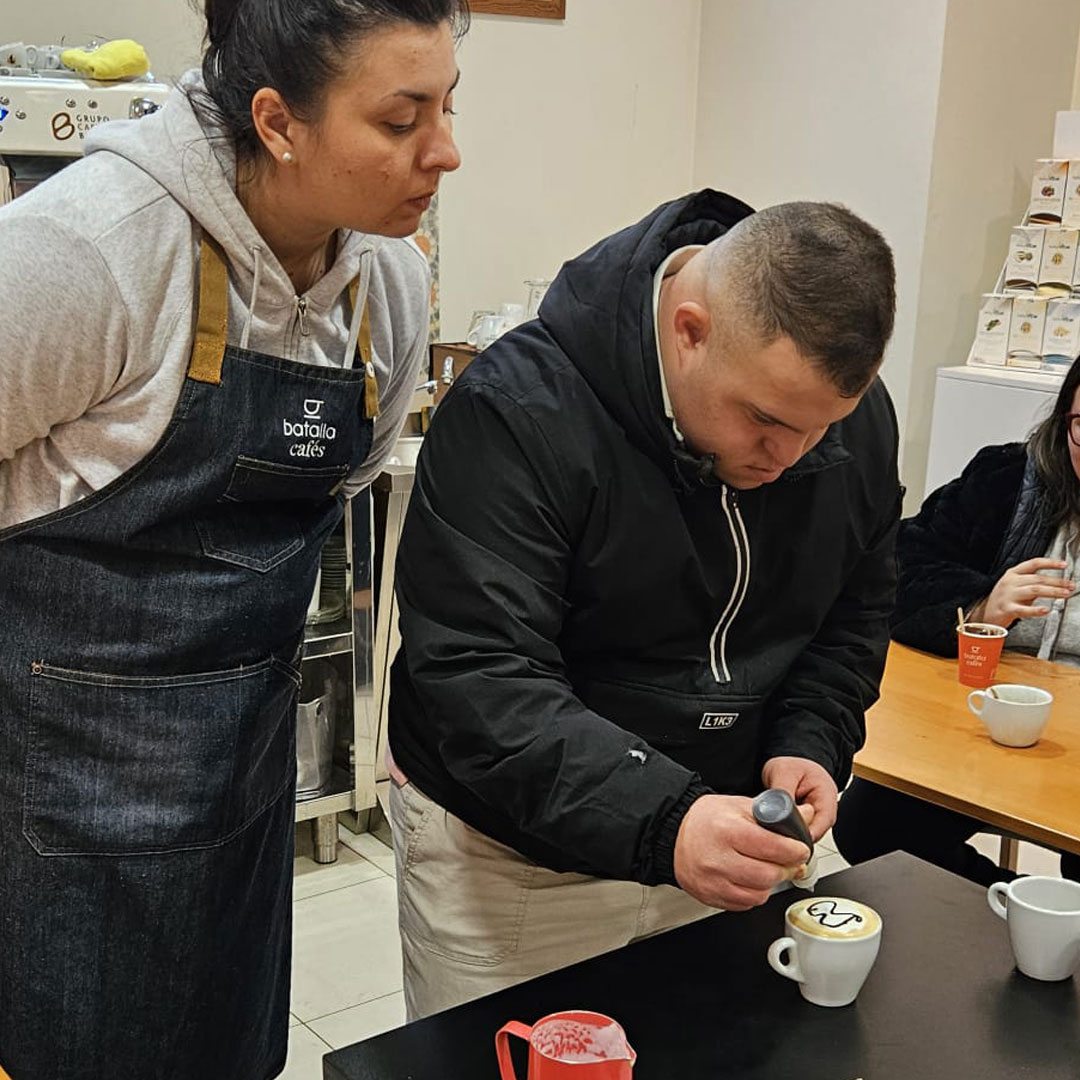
646 571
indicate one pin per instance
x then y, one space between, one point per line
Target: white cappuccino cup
1015 715
830 947
1043 915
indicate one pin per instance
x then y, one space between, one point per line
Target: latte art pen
774 809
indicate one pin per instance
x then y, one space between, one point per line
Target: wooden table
943 1002
922 739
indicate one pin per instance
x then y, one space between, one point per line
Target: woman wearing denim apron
209 333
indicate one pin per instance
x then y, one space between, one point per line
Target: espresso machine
47 109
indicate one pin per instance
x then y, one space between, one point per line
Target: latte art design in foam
832 917
827 913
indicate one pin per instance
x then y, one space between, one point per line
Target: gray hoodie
98 273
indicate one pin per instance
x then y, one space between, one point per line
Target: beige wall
569 130
990 129
170 30
1076 81
572 129
832 100
911 114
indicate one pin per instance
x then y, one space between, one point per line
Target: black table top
701 1003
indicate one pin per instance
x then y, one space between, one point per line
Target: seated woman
1001 542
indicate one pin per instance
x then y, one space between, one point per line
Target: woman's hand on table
1020 589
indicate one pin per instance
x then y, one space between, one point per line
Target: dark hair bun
219 17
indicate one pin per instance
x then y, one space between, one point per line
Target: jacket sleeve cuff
663 860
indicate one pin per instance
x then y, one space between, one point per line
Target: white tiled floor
347 960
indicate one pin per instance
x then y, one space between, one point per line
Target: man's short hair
813 272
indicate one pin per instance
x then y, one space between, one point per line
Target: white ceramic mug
1043 915
1014 715
831 945
485 330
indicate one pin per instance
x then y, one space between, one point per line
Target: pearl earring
287 157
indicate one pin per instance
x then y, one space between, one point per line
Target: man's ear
692 323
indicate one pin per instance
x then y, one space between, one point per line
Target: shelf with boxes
1032 318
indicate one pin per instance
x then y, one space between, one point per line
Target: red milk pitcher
569 1046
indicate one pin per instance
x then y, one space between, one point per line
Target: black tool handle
774 809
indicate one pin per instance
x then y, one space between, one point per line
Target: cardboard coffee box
1048 192
1058 261
1025 258
992 334
1070 216
1061 337
1026 332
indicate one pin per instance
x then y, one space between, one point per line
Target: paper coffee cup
979 648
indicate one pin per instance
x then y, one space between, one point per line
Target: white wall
569 131
1076 81
915 115
573 129
990 129
832 100
169 30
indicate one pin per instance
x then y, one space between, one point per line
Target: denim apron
149 638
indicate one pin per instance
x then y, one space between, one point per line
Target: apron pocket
256 523
254 480
125 765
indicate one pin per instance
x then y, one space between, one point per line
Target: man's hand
806 782
1019 590
724 858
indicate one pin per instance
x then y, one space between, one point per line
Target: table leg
324 833
1008 853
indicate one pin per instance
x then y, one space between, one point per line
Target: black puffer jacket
965 536
595 631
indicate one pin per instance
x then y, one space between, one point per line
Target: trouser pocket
462 895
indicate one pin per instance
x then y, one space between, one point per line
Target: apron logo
715 721
313 432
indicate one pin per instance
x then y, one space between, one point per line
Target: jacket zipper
718 641
301 314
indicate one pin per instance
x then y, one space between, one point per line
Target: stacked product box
1034 320
1037 332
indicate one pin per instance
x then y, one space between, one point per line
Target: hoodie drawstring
255 282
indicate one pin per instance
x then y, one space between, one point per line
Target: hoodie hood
191 156
599 309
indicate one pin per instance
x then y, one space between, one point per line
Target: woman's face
1074 450
375 156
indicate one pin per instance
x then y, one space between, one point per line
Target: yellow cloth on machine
119 59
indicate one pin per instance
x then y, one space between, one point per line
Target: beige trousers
475 916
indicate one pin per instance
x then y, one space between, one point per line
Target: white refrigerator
979 406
